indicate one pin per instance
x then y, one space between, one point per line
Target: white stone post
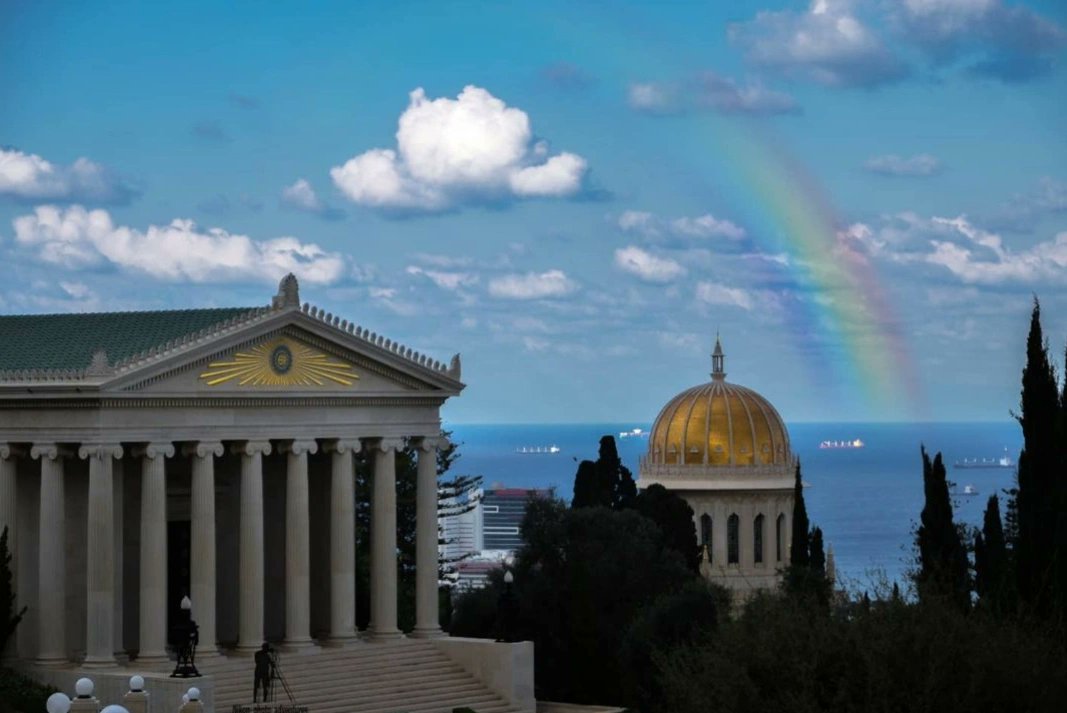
383 540
203 545
297 545
9 519
153 613
342 541
426 536
251 556
52 554
100 554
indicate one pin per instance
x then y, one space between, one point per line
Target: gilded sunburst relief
281 362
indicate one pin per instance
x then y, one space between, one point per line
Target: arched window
757 539
779 536
733 525
705 530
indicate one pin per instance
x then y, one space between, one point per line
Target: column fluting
298 545
426 537
52 558
383 622
100 554
342 540
203 544
153 612
250 614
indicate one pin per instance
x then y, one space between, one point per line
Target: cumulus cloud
446 280
712 92
647 266
29 177
454 151
1006 42
715 294
532 285
702 226
829 44
75 237
301 196
893 165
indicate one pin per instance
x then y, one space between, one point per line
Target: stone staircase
402 676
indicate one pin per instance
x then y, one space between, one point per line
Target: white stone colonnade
103 540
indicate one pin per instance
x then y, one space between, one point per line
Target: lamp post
189 637
506 610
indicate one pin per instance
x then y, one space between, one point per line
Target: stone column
153 614
383 541
52 553
297 545
426 536
9 519
203 545
343 541
251 557
100 554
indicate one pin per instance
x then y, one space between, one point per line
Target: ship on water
854 443
538 450
634 433
1003 462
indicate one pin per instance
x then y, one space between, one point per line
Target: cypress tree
615 480
991 567
799 548
942 558
586 490
818 555
1038 480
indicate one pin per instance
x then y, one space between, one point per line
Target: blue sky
573 195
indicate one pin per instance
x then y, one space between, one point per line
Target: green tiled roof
68 341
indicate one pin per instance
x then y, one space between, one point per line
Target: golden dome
719 423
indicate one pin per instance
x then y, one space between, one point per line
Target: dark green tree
799 548
818 554
587 490
992 576
9 618
674 518
605 482
1040 474
943 565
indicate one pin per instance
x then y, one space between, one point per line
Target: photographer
264 671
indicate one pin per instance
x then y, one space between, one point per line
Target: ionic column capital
203 449
299 447
51 451
430 443
161 449
343 445
8 450
103 451
384 445
251 448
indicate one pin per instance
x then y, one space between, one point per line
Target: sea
866 500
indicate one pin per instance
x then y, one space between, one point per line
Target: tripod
276 675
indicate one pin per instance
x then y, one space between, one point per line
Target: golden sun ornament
282 362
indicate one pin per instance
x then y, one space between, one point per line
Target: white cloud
451 151
828 45
709 91
716 294
993 263
29 177
647 266
701 226
301 195
532 285
893 165
75 237
444 279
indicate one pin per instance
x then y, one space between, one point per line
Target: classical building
725 449
208 452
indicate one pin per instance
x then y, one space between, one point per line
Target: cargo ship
854 443
1003 462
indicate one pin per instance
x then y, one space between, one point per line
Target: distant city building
462 533
725 449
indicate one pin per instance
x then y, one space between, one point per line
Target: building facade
725 449
210 453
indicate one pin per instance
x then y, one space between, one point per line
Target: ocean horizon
866 500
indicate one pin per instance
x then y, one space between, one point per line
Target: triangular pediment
287 352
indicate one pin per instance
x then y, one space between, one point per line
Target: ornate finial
717 358
288 293
455 368
99 365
